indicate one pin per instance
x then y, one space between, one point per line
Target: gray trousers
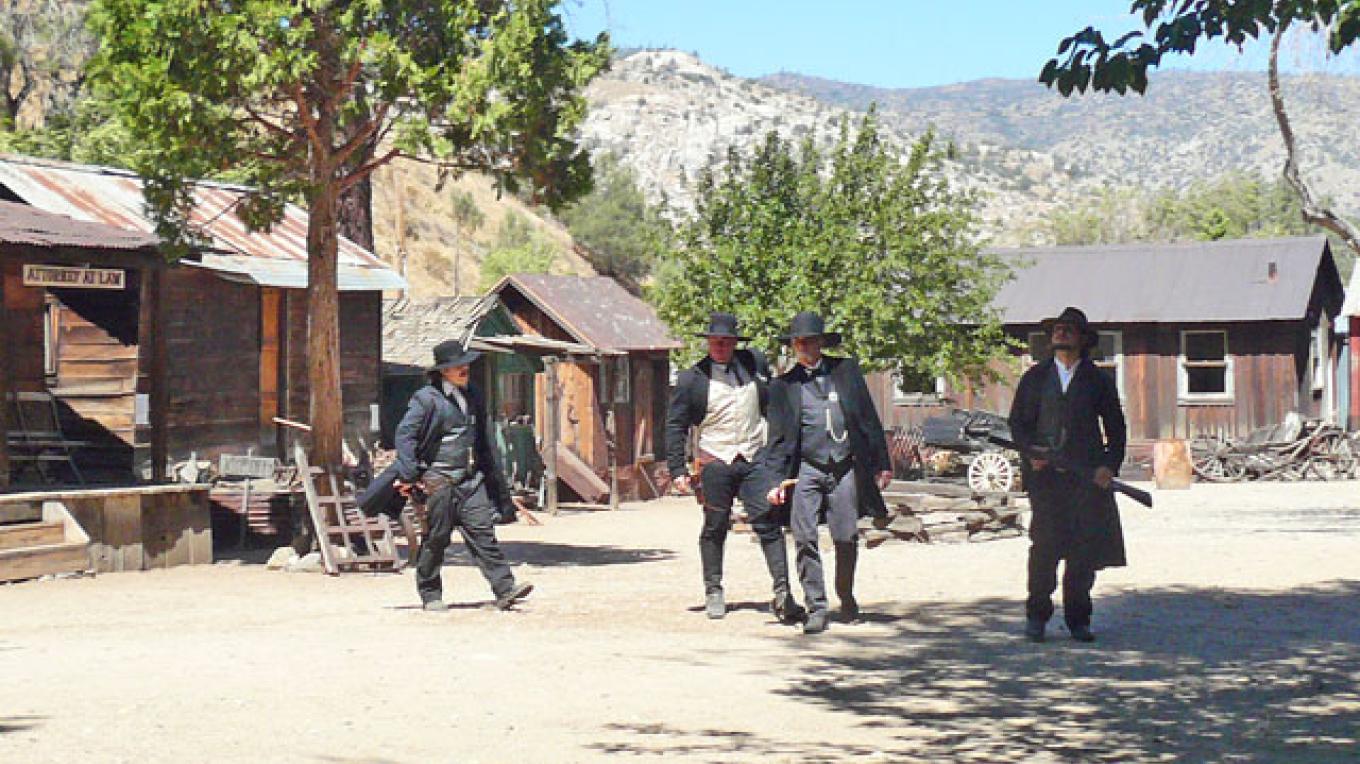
837 496
467 508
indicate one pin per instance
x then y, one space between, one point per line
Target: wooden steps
45 542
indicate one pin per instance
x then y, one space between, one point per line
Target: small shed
1200 338
619 388
232 318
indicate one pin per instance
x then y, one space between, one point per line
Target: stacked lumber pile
944 512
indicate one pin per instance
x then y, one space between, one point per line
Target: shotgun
1118 486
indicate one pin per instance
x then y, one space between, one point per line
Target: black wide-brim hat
809 324
451 353
722 325
1078 319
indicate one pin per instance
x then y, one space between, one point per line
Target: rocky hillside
668 115
417 228
1189 126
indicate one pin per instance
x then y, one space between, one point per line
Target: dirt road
1233 636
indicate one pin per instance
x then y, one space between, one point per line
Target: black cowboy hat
809 324
1077 318
722 325
450 353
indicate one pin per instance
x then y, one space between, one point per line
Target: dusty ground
1234 636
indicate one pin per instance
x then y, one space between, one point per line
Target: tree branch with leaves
303 99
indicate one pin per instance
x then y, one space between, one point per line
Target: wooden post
611 440
153 283
550 435
5 385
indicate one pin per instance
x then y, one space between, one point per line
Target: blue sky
889 43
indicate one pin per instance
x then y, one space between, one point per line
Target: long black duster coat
1072 517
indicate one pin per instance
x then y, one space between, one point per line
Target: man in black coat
724 397
1061 407
825 434
444 443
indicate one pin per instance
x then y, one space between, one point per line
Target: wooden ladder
348 540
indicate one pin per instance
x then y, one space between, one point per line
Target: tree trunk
323 327
1313 211
356 212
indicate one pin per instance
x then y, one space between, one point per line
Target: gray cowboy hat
722 325
1077 318
450 353
809 324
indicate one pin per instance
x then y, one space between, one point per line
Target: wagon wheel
1212 460
991 471
1330 457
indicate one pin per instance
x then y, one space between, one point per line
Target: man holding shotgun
1061 407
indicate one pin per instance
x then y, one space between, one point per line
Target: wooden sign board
73 278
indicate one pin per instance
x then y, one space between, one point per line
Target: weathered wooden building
624 378
1204 337
232 319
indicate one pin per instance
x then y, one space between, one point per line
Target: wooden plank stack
927 512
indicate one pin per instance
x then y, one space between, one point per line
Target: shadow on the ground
12 724
549 554
1179 674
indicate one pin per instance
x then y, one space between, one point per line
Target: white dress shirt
1064 372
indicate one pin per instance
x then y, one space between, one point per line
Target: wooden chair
36 435
348 540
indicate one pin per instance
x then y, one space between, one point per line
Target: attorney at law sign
73 278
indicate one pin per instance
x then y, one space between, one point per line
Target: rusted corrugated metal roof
594 310
114 197
1227 280
26 225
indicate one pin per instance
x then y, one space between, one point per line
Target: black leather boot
783 606
847 554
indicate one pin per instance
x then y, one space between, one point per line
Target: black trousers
1077 581
722 484
466 507
1060 531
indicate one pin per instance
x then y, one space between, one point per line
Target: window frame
1183 393
900 398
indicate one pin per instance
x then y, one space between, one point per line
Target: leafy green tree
518 249
878 243
623 236
305 98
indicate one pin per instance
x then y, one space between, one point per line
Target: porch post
153 313
4 383
550 435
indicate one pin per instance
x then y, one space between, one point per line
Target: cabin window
915 388
1038 347
1321 354
51 336
619 385
1108 356
1205 366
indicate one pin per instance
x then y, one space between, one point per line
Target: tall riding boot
847 554
784 606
